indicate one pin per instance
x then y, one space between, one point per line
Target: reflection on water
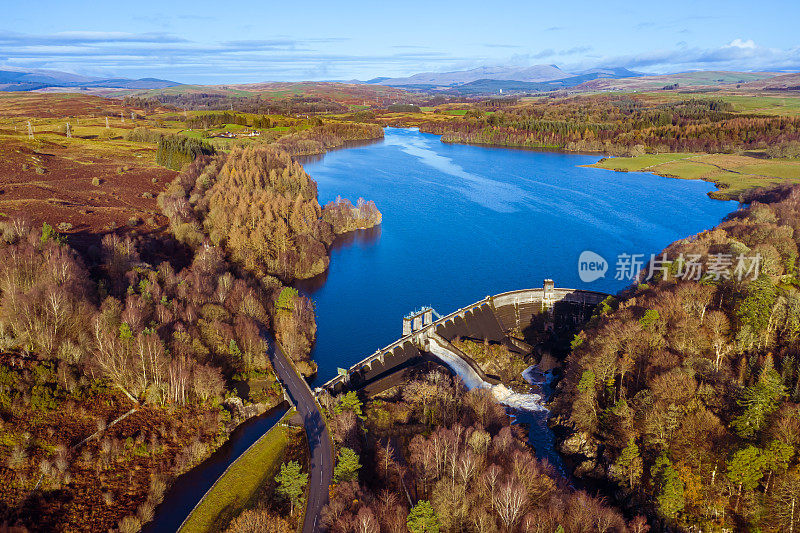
491 193
362 238
314 158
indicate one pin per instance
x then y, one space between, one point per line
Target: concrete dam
499 318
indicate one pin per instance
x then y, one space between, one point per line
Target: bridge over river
498 318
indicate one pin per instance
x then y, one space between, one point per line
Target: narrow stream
527 408
190 487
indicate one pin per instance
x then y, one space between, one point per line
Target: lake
463 222
460 223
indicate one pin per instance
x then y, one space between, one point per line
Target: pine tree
291 483
670 498
422 518
347 466
349 402
759 401
629 464
745 469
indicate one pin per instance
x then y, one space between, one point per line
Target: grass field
758 104
239 485
733 174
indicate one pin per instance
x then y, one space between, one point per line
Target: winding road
319 442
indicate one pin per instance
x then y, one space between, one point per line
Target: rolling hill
14 79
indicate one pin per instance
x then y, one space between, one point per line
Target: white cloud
739 43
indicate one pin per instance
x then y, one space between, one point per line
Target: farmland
733 174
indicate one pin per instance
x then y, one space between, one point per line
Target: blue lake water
462 222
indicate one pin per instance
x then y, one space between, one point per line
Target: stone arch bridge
491 318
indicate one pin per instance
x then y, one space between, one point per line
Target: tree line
619 124
692 387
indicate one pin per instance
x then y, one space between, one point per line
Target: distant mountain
484 87
536 73
541 78
493 80
15 79
611 72
375 80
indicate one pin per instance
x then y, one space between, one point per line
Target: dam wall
491 318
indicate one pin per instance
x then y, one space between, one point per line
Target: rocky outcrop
241 412
579 443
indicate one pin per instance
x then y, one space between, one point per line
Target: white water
471 379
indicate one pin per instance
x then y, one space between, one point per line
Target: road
321 469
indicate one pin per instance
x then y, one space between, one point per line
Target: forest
128 363
261 207
175 151
432 456
682 394
618 125
152 349
300 104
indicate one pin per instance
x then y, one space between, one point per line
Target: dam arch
491 318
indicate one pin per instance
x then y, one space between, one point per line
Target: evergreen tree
422 518
755 309
745 469
759 401
291 483
347 466
349 402
629 464
670 498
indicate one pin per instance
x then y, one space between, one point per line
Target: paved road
321 471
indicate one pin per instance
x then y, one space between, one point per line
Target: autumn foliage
692 387
620 125
439 458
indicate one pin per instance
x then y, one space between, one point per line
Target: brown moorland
91 182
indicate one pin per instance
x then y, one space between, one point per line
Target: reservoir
460 223
463 222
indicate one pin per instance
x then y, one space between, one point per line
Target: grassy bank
238 487
733 174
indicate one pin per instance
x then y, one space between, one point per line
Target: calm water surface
462 222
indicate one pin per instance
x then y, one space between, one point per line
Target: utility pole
69 131
30 130
122 116
106 122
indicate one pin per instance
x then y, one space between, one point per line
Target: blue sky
233 42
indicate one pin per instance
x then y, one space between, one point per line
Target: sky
241 42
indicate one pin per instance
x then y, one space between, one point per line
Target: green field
733 174
238 487
642 162
752 104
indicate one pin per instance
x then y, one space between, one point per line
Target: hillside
782 82
683 79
